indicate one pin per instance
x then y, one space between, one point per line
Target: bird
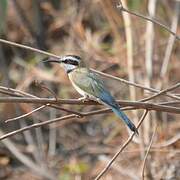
90 85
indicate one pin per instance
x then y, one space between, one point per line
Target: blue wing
101 92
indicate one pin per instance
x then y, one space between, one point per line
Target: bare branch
36 125
147 152
27 114
134 84
28 48
162 92
135 104
121 149
171 40
46 88
120 6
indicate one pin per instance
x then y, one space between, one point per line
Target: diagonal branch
121 149
26 114
71 116
120 6
147 152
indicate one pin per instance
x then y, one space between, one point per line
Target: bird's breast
76 79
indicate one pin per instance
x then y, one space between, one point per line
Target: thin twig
16 92
71 116
42 86
125 172
147 152
171 40
121 149
133 84
42 107
9 93
78 114
170 103
130 60
28 48
13 92
26 114
148 19
161 92
36 125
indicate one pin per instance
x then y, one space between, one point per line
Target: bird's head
68 62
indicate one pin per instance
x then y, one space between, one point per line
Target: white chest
79 90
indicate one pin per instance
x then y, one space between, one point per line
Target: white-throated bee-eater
90 85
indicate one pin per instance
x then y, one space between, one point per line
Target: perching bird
90 85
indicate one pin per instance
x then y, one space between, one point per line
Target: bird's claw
83 99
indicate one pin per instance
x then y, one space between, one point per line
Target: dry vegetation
83 140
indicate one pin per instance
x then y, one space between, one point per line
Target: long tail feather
123 116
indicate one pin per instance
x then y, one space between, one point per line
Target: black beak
51 59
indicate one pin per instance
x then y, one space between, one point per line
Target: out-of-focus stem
171 40
149 62
130 63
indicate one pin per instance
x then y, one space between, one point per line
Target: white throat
69 67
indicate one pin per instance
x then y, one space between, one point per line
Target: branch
163 92
135 104
101 73
121 149
148 150
171 40
120 6
28 48
134 84
26 114
36 125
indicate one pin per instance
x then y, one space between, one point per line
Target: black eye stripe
70 61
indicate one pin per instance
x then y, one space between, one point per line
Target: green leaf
3 13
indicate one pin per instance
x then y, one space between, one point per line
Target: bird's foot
136 132
84 99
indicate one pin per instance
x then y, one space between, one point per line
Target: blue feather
123 116
107 98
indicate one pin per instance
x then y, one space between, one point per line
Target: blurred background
111 41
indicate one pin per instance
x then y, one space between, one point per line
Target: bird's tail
123 116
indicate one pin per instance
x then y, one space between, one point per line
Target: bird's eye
65 61
70 61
